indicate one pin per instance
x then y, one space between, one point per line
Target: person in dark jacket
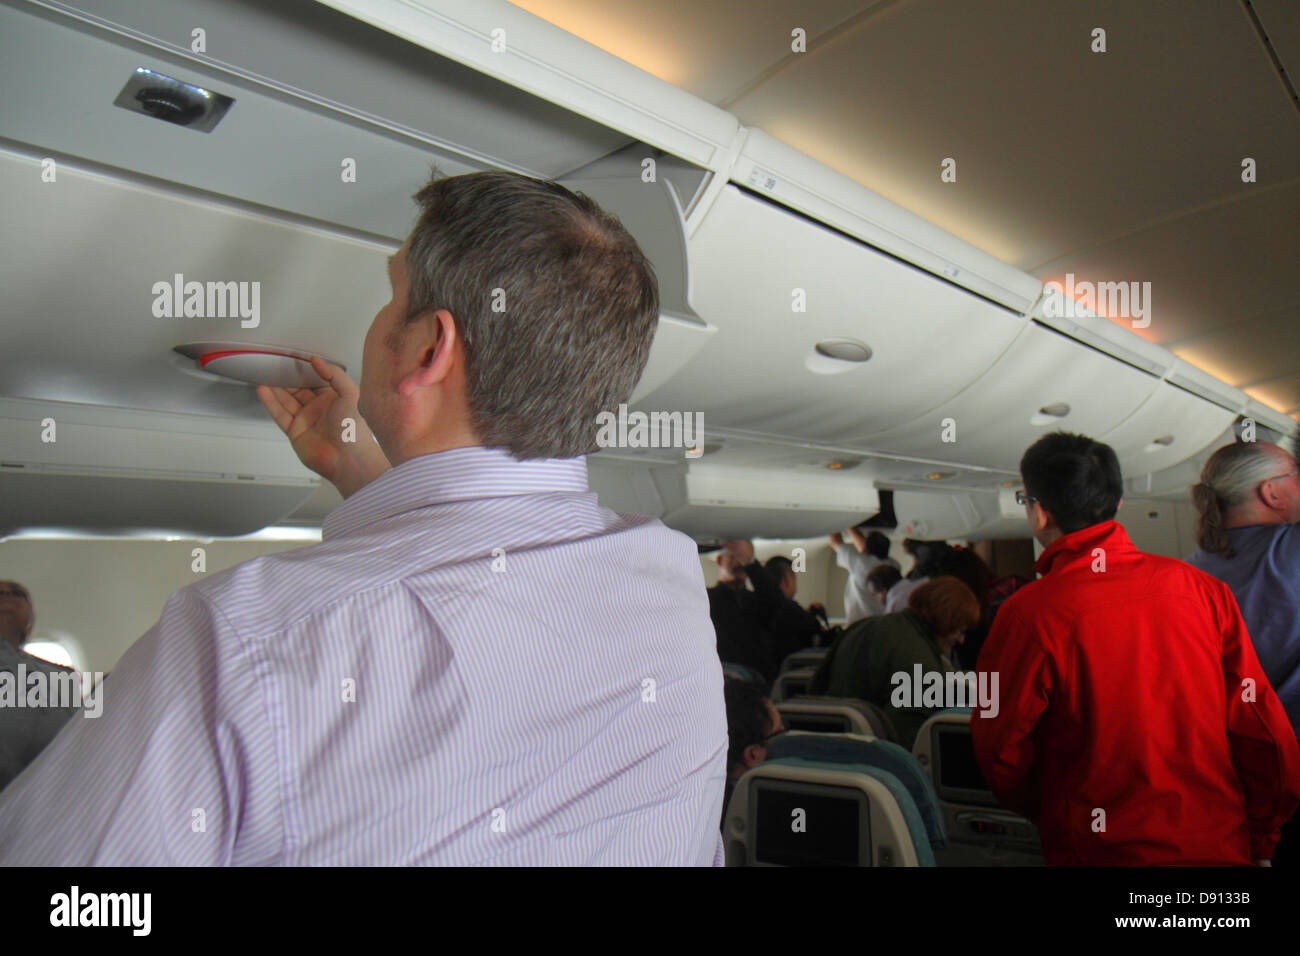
1136 725
793 628
742 618
869 657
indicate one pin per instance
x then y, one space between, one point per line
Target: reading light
255 364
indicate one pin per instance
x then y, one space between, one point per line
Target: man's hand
313 420
836 540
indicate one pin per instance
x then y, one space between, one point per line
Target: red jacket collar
1079 544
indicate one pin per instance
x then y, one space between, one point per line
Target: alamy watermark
32 689
208 300
1115 300
651 430
934 690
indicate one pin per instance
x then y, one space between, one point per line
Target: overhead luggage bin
783 174
719 502
502 40
313 87
1169 427
1044 382
652 212
935 515
304 288
772 368
114 470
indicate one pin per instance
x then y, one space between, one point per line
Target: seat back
881 754
792 683
845 715
980 831
808 657
792 811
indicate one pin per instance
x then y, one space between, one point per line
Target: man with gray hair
1248 504
478 665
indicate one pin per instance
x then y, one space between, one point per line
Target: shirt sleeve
1004 743
171 761
1263 745
842 554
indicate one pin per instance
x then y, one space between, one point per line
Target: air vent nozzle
167 98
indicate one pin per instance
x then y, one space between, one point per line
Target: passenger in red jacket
1136 725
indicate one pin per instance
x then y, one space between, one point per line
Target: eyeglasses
1024 499
14 592
1276 477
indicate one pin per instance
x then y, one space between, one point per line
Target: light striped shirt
477 665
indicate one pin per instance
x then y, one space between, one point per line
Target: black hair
878 545
883 577
927 555
747 718
778 564
969 568
1076 479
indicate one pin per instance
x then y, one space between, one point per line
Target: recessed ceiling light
845 350
833 356
1049 414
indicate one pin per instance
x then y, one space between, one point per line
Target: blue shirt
1264 575
477 665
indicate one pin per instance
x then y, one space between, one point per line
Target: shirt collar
458 474
1108 534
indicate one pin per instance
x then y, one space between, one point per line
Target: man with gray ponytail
1248 500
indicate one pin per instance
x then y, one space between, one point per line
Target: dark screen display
957 766
830 836
818 723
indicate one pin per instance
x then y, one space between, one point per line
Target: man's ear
754 755
1270 496
437 352
1042 518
